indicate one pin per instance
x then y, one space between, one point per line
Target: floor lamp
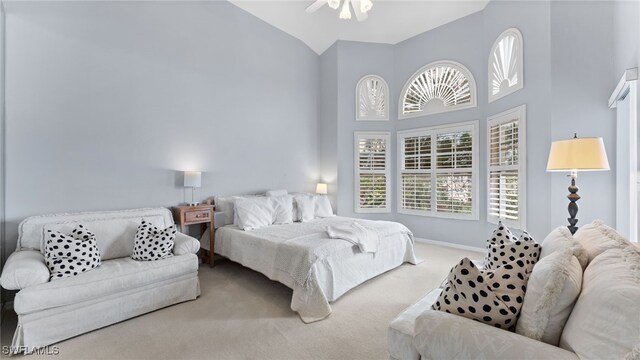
573 155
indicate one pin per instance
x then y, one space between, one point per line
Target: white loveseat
604 322
120 288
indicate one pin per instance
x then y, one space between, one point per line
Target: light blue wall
328 125
108 101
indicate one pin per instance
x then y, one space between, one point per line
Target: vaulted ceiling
389 21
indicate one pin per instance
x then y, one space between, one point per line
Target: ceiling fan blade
315 6
361 16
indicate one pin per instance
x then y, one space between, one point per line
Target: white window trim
458 66
433 130
386 99
521 113
520 63
357 135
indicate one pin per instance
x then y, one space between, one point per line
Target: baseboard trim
451 245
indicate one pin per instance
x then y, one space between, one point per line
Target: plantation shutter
416 173
504 170
372 172
454 172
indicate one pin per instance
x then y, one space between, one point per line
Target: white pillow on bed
254 213
305 205
323 207
282 209
277 192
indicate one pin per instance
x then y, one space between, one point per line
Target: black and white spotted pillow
70 255
152 243
504 247
492 297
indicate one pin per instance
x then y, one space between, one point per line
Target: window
372 172
438 171
507 164
372 98
505 65
437 87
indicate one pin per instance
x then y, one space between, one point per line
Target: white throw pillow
254 213
277 192
323 207
560 239
604 323
306 207
70 255
553 287
598 237
225 205
282 209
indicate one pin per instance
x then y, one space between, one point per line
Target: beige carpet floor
243 315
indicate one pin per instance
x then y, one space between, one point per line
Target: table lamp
321 189
192 179
573 155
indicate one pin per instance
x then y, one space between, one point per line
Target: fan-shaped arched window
437 87
505 64
372 98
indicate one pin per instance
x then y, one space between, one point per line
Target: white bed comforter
303 257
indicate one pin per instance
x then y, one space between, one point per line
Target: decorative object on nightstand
193 180
321 189
577 154
197 214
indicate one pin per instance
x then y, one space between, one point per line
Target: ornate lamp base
573 206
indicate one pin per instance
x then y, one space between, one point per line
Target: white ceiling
389 22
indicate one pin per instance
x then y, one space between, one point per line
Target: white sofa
604 322
120 288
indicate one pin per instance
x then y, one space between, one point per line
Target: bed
318 268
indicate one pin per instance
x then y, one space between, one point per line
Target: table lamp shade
192 179
581 154
321 188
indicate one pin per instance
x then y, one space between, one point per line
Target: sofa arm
185 244
23 269
440 335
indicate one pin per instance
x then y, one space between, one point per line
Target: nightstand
199 214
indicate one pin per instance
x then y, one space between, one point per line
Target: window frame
456 65
519 112
433 131
357 135
519 64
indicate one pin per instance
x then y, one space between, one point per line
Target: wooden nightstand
192 215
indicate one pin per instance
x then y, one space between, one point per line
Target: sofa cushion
114 230
112 277
493 297
560 239
152 243
68 255
552 289
598 238
604 321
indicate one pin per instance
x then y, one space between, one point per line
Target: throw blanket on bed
366 238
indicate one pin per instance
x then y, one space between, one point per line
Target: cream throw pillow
560 239
605 322
553 287
598 238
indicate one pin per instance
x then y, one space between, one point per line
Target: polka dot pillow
504 247
152 243
70 255
492 297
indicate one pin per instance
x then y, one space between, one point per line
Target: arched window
437 87
505 65
372 98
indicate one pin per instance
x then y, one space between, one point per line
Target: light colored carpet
243 315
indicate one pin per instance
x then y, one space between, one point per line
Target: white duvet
303 257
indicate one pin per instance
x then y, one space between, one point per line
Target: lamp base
573 206
193 204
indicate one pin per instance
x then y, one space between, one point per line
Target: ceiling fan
360 8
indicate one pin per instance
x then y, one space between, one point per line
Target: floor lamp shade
192 179
581 154
577 154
